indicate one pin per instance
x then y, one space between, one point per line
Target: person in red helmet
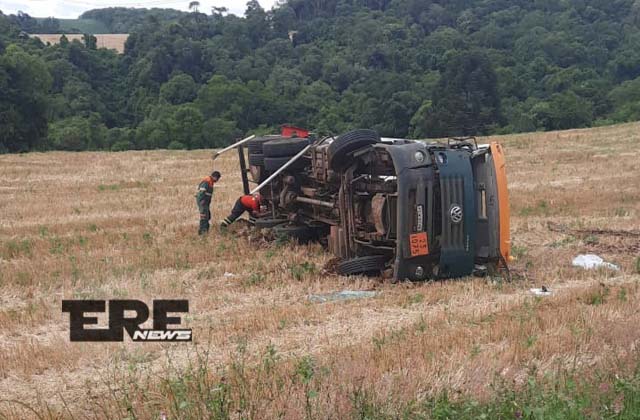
249 203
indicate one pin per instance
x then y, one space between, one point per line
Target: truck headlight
419 156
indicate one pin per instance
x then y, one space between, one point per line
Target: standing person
249 203
203 199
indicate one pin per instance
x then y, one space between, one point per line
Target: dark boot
204 227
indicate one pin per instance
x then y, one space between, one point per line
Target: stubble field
123 225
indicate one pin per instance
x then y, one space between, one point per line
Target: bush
120 136
77 133
70 134
176 145
121 146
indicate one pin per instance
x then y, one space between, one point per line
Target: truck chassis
406 208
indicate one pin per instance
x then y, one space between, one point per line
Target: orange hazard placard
419 244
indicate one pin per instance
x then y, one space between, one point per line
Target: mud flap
457 238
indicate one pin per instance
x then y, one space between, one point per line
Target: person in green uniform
203 199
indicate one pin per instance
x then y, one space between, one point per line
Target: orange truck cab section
503 200
493 243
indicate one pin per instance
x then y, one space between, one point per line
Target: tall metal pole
236 144
243 170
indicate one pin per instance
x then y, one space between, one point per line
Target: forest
407 68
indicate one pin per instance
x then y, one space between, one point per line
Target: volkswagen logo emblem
455 213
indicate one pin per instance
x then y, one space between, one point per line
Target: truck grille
452 193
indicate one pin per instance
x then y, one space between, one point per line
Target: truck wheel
299 233
338 151
370 265
284 147
256 159
272 164
269 222
255 145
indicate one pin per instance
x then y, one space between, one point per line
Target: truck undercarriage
406 208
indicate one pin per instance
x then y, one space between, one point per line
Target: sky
71 9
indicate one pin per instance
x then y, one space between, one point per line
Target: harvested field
108 41
123 225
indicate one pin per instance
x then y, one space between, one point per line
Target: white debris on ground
543 291
343 295
227 274
591 261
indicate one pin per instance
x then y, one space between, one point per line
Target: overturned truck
404 208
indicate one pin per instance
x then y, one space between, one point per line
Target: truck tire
370 265
284 147
255 145
338 151
256 159
272 164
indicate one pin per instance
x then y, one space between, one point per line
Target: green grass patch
254 279
108 187
541 208
17 248
415 298
598 297
299 271
519 251
237 389
567 240
57 246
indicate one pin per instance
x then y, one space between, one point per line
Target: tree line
417 68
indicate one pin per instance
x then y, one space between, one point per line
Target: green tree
402 67
180 89
562 111
186 126
119 139
24 83
78 133
465 102
218 132
626 101
90 41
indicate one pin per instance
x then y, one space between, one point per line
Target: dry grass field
108 41
123 225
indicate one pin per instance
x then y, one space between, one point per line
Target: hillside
79 26
106 225
111 20
401 67
120 20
